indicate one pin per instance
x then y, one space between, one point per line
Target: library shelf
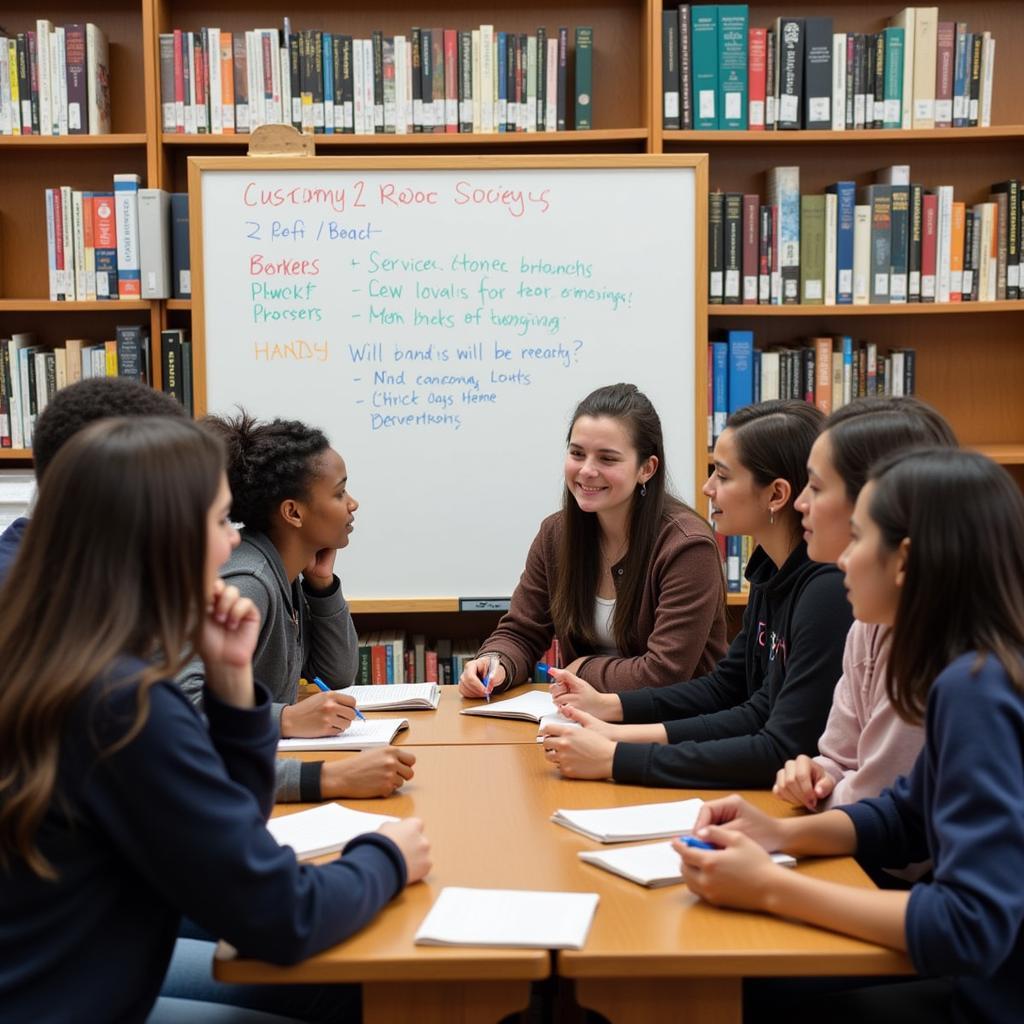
185 304
897 136
363 605
1004 454
15 453
112 141
457 139
50 306
896 309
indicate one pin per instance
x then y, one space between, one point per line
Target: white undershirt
604 613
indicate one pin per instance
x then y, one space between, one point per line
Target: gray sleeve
333 648
287 780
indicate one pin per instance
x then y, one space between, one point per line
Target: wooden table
486 810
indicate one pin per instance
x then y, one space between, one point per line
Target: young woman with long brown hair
120 810
626 576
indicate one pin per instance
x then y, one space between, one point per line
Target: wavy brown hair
964 588
112 565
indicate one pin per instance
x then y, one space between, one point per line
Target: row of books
392 657
827 372
890 242
55 81
30 374
718 72
433 80
128 243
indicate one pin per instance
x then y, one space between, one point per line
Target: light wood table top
486 810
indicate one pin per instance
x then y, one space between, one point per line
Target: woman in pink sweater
866 745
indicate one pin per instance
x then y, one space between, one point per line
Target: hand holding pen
492 667
324 688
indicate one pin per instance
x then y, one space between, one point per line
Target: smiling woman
626 576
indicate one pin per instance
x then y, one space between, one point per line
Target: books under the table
653 865
376 732
513 918
639 821
396 697
323 829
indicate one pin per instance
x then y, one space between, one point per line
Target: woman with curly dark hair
290 490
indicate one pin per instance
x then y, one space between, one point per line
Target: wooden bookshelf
906 309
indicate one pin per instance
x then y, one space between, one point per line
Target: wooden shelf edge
736 600
179 303
15 453
457 139
1004 454
797 138
48 306
403 604
113 140
896 309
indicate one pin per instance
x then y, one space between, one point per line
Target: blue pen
697 844
492 667
321 685
543 669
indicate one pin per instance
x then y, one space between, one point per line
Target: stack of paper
378 732
323 829
516 918
395 697
653 864
641 821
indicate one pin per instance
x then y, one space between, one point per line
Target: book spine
105 236
961 78
683 64
817 113
956 252
733 234
751 226
241 73
670 69
879 199
926 26
790 35
944 73
945 224
846 201
704 44
716 247
899 243
892 116
584 78
771 63
757 43
181 277
929 245
76 72
740 346
733 32
914 244
861 254
970 251
838 81
451 80
764 261
812 249
784 192
126 213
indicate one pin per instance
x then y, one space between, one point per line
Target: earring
643 490
771 516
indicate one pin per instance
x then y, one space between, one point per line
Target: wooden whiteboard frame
697 162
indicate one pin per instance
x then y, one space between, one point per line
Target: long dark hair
867 429
112 563
773 440
964 587
267 463
579 562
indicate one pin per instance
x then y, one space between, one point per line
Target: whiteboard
440 322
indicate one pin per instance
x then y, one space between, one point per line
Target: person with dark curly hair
290 491
72 408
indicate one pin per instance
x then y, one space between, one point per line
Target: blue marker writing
697 844
321 685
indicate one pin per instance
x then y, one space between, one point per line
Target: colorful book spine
126 215
733 91
704 47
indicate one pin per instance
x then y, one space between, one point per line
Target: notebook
515 918
653 864
395 697
323 829
529 707
378 732
559 719
640 821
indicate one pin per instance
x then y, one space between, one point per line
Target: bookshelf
969 362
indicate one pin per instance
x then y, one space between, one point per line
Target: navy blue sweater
962 805
171 823
766 701
10 542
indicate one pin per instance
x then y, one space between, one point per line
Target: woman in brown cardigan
626 576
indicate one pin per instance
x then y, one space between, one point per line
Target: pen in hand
697 844
321 685
491 669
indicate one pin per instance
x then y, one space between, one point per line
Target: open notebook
529 707
378 732
515 918
323 829
395 697
652 864
639 821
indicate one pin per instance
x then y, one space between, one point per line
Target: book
784 192
514 918
652 865
533 706
637 821
154 243
789 85
670 69
584 78
378 732
126 219
97 80
732 66
926 26
817 113
398 697
812 249
704 58
323 829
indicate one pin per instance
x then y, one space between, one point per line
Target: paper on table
558 719
395 697
652 864
323 829
377 732
521 919
530 707
639 821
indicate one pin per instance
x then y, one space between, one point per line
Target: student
119 808
865 744
290 489
70 409
768 698
626 576
937 554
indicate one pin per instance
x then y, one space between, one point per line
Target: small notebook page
652 864
556 719
323 829
531 706
639 821
521 919
395 697
358 736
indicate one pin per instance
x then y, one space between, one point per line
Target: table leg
443 1002
642 1000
